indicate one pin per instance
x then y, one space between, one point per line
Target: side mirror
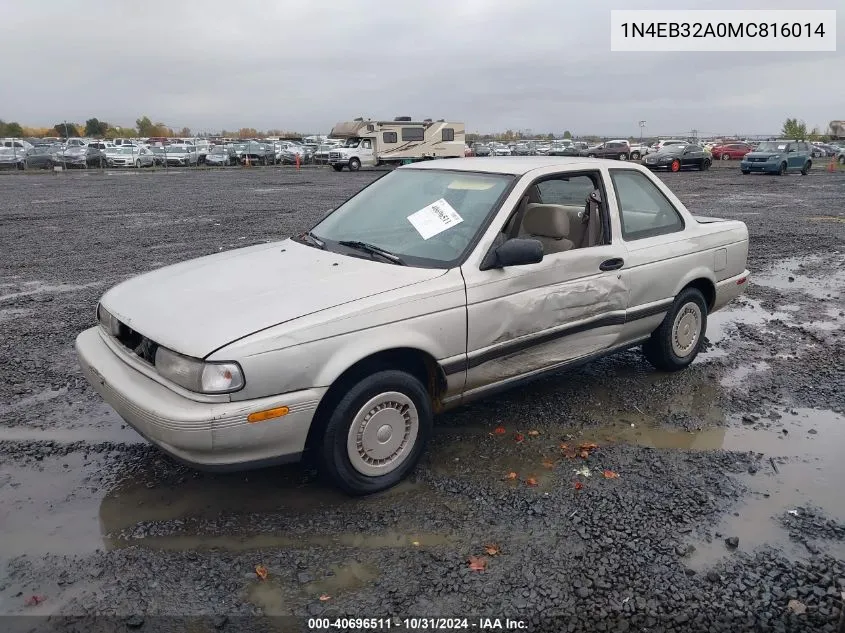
514 252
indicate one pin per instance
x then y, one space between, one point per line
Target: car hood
762 154
198 306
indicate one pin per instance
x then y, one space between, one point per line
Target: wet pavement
746 443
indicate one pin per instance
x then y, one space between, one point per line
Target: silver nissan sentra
438 283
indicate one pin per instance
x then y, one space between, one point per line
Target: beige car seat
548 223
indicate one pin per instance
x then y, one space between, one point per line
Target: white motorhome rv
371 143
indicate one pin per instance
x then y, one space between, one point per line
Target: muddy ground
744 445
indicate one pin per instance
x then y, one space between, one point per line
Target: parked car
778 157
840 156
159 156
12 158
677 157
522 149
823 150
619 150
130 156
436 284
638 151
656 147
80 156
181 155
221 155
730 151
41 156
500 149
480 149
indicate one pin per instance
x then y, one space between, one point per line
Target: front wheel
676 165
746 171
337 167
841 160
354 164
377 432
677 341
591 155
782 169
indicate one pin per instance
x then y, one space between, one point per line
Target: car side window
643 209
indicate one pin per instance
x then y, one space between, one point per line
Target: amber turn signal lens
269 414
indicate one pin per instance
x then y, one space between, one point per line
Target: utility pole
694 134
642 125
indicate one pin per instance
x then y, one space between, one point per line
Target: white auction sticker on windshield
435 218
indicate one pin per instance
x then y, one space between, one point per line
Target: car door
793 158
366 153
650 226
692 156
569 306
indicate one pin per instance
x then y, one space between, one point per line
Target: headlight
108 321
197 375
775 157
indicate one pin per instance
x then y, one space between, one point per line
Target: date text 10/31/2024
417 624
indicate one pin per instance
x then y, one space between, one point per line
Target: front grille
755 159
137 343
334 155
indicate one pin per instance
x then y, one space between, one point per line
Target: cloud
494 64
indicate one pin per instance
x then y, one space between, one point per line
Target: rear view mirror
514 252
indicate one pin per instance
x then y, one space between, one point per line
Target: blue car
778 157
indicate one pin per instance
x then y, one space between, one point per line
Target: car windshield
219 150
124 150
771 146
175 149
427 217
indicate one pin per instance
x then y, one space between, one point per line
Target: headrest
546 220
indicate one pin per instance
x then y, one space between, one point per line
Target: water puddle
738 375
794 274
273 595
249 542
40 287
745 311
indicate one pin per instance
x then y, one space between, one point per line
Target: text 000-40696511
723 31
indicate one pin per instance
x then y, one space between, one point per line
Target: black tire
782 169
705 164
806 168
658 349
726 157
137 164
841 160
354 164
337 167
635 155
746 172
333 455
591 155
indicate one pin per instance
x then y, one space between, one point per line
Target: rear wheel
705 164
841 160
676 165
725 157
354 164
806 168
635 155
782 169
377 432
591 155
677 341
623 156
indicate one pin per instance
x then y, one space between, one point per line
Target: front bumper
211 435
767 167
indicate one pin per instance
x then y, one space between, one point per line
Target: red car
730 151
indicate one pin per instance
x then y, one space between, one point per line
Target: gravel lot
744 445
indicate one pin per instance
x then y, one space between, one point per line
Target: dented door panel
525 318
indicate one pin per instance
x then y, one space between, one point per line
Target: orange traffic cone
831 166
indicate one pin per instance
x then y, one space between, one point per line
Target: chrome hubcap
686 329
382 434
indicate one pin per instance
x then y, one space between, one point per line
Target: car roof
518 165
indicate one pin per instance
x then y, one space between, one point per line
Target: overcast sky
302 65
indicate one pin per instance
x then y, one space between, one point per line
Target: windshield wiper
310 237
373 250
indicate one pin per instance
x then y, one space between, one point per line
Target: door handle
612 264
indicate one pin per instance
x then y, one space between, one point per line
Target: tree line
144 128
